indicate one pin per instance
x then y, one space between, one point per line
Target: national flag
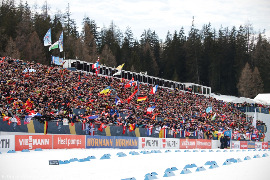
92 117
131 96
130 83
187 133
96 65
124 129
149 130
141 98
154 89
131 127
18 121
6 118
9 122
47 38
101 127
106 90
27 119
150 110
254 119
45 127
162 133
214 117
92 129
208 109
54 45
61 42
118 73
118 101
120 67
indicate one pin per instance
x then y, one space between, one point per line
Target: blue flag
208 109
61 42
47 38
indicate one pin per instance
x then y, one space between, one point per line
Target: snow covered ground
35 164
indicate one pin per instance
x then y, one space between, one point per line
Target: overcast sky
166 15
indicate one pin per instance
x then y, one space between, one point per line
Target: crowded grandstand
35 92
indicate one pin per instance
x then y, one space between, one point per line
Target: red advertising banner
33 142
187 143
204 144
68 141
265 145
243 145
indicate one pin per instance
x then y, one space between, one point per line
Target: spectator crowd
52 93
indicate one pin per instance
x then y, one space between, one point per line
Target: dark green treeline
233 61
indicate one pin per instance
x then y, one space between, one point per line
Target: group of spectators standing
54 92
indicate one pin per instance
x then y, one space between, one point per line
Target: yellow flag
120 67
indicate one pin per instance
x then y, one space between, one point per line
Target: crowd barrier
31 142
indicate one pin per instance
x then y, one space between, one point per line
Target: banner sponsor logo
251 145
187 143
258 145
264 145
126 142
149 143
68 141
243 144
7 142
33 142
170 143
99 142
204 144
235 144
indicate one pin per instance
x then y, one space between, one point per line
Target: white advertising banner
149 143
258 145
235 144
170 143
7 142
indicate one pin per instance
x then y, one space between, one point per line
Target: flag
130 83
208 109
162 133
154 89
254 119
120 67
92 117
117 73
95 66
92 129
61 42
142 98
101 127
106 90
214 117
131 127
6 118
118 101
150 130
47 38
54 46
131 96
45 127
27 119
150 110
124 129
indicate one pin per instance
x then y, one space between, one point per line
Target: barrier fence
31 142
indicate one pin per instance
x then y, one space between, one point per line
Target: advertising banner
68 141
126 142
258 145
264 145
243 144
149 143
99 141
170 143
7 142
251 145
187 143
33 142
235 144
203 144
